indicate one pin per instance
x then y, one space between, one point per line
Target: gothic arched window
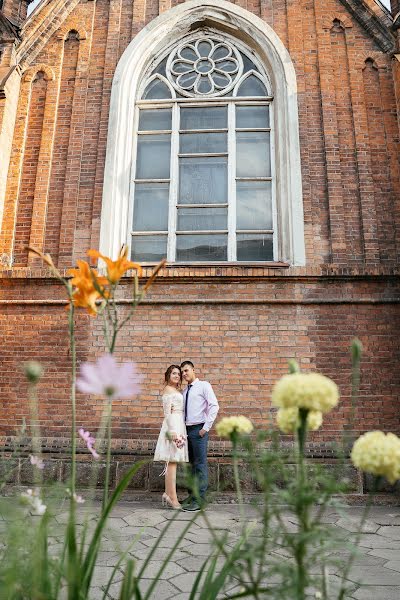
202 180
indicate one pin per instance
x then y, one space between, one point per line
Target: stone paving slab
376 592
136 528
375 573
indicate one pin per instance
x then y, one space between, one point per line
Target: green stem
302 510
350 561
71 325
236 477
356 353
108 457
114 320
105 329
35 429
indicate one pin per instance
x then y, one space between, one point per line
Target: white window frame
231 101
172 26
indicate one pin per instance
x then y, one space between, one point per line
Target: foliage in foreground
286 552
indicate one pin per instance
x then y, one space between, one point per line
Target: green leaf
120 561
167 559
198 579
89 562
127 582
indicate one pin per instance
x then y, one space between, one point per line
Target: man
200 409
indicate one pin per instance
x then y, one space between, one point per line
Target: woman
172 445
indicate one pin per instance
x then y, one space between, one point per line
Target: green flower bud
33 371
356 350
293 366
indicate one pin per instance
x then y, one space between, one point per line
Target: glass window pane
202 219
248 65
204 85
203 180
149 248
156 89
253 154
204 48
230 65
253 205
201 247
189 54
153 156
254 247
252 86
212 117
154 120
252 117
150 211
220 52
161 67
192 143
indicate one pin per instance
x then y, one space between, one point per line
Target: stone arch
72 25
378 59
30 74
344 20
173 25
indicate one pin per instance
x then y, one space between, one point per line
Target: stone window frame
171 27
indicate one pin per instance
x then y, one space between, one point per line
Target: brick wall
240 334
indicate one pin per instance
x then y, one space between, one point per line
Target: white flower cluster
379 454
288 419
311 391
229 425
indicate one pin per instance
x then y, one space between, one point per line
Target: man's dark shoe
187 501
192 507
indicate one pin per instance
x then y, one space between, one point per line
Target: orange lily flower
84 279
116 268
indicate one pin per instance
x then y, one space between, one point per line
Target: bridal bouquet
180 441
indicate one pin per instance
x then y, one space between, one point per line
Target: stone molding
374 26
200 272
39 28
172 26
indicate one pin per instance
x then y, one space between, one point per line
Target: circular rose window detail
205 67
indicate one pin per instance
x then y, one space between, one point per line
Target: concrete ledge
148 479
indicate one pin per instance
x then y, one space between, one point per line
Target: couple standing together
188 417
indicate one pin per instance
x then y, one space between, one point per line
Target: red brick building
256 145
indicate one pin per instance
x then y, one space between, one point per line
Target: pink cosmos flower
78 499
106 377
36 461
89 441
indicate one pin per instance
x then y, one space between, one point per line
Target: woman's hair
169 371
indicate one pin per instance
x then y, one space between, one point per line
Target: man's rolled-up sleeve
212 406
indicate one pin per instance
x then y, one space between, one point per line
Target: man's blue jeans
198 457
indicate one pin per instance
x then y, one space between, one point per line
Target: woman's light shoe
166 501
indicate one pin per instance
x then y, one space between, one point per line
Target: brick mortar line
213 301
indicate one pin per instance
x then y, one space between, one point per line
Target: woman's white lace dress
166 450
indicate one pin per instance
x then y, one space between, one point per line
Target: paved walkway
377 567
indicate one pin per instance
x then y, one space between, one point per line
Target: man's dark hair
187 362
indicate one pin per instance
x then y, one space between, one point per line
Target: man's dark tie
186 400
